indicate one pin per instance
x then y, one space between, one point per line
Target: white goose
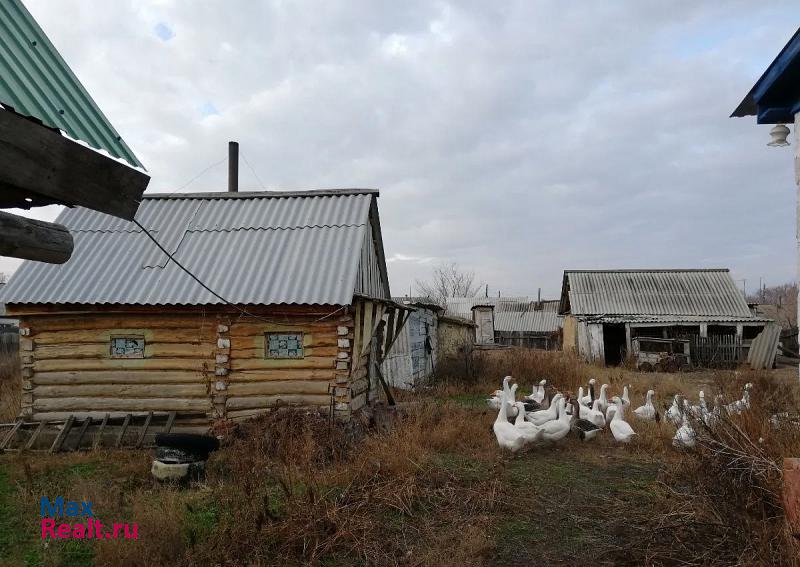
603 406
588 399
497 396
556 429
739 406
626 398
673 414
537 394
620 428
583 428
543 416
508 436
529 431
685 436
648 410
594 415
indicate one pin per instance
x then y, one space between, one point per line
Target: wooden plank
35 436
308 362
170 422
33 239
120 404
62 435
82 431
251 402
60 365
119 322
277 388
330 349
103 351
10 435
98 437
143 432
197 390
281 374
194 335
37 159
122 430
142 377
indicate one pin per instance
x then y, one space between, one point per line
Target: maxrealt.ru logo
88 528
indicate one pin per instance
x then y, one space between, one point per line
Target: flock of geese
544 418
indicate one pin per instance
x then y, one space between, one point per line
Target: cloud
516 139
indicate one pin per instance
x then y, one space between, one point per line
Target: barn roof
695 294
253 248
511 314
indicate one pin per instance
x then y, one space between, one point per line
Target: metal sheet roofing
511 314
694 293
539 322
36 81
251 248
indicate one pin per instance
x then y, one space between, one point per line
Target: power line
254 172
214 293
199 175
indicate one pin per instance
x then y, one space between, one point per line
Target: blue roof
775 98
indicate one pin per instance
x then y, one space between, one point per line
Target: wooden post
33 239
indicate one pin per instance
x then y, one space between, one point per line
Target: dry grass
10 381
287 488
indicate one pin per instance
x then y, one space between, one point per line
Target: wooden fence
717 351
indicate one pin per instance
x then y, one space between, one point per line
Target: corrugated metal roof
670 319
654 292
527 321
511 314
462 306
251 248
36 81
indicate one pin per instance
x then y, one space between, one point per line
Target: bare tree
783 298
448 280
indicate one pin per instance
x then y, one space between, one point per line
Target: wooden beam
82 432
62 435
35 436
98 437
122 430
33 239
143 432
45 163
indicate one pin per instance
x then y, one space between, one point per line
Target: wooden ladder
12 440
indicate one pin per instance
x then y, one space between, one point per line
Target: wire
254 171
214 293
199 175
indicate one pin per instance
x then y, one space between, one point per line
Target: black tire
198 445
170 455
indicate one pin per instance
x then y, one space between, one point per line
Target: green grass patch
17 545
463 467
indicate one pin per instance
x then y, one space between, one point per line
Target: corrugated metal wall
369 280
411 359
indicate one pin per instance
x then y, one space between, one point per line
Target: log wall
207 366
67 365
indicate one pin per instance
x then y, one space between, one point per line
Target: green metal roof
36 81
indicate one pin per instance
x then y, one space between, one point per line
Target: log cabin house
121 328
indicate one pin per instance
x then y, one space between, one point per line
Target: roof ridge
648 270
212 195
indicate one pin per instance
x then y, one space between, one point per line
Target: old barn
698 315
299 282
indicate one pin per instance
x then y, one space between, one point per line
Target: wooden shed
301 288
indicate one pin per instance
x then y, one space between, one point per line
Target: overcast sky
514 138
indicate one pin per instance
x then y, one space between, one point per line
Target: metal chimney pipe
233 167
